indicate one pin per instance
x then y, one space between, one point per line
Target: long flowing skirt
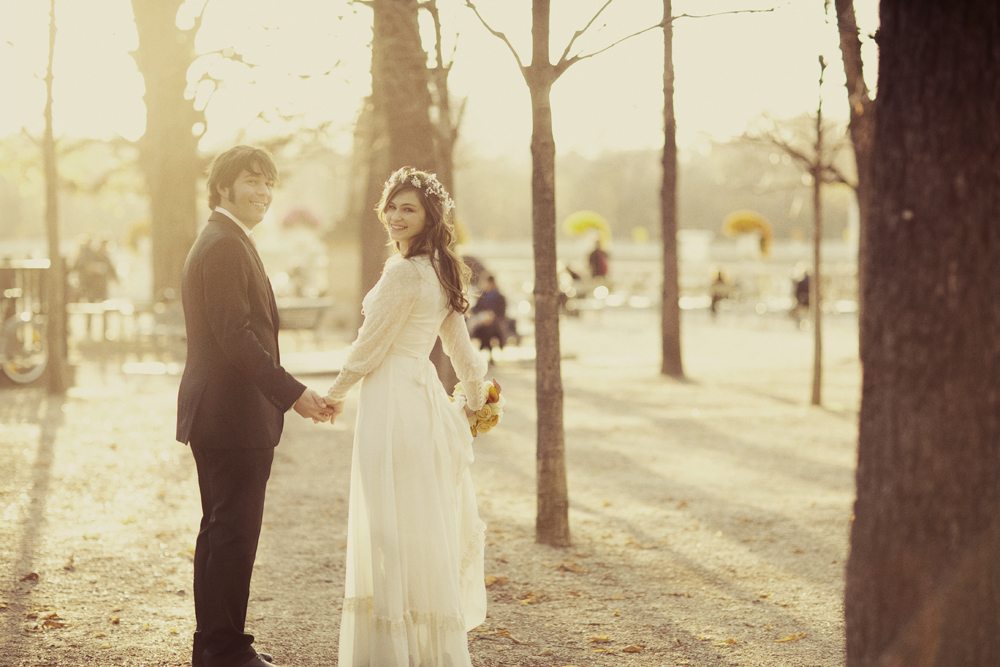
414 537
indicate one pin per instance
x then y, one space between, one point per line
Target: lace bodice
405 312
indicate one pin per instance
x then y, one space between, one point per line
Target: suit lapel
251 249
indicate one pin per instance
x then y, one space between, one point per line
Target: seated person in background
489 317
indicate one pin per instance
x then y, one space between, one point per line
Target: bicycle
23 348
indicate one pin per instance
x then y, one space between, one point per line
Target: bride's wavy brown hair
437 240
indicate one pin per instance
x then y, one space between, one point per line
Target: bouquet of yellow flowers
488 416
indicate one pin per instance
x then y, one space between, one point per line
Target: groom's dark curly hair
227 167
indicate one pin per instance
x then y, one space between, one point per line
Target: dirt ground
709 517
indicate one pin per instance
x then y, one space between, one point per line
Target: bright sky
729 69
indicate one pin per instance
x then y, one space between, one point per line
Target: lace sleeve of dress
386 312
470 367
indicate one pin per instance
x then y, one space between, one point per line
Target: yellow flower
484 412
487 424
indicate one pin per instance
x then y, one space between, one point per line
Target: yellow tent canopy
749 222
582 222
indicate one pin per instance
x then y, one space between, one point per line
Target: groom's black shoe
267 658
259 661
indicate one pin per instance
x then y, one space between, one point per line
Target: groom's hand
312 406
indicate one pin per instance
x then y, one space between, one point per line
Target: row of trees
921 586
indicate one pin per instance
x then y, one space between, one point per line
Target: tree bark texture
670 313
168 151
923 584
861 125
57 378
552 519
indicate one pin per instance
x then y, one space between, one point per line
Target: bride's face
405 217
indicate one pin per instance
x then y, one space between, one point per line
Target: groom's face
249 198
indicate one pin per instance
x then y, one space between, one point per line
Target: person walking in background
718 291
489 317
800 293
598 262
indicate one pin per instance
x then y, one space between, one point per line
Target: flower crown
427 183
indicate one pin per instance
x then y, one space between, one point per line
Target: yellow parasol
582 222
749 222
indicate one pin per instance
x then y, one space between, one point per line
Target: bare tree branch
833 174
566 61
582 30
793 152
565 64
496 33
735 11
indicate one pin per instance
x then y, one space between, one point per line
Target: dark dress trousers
230 407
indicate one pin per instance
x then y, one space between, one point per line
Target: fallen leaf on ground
632 542
794 637
571 566
31 576
493 580
115 620
530 598
600 639
632 648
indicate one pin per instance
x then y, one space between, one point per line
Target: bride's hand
335 407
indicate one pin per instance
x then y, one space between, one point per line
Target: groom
232 400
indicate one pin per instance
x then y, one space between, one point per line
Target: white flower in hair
429 185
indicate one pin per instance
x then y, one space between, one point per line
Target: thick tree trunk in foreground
923 585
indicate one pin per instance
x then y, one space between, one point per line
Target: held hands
312 406
333 405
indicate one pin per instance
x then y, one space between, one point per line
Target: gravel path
709 517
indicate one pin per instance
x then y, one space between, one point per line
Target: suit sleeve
226 272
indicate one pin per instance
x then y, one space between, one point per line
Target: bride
414 584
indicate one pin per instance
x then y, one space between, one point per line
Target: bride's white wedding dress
414 583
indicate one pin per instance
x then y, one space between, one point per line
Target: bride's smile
405 217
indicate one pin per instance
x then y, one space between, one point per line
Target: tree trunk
552 520
861 125
402 102
57 371
670 313
815 291
815 285
923 586
169 148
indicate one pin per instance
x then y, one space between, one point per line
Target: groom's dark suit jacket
234 392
